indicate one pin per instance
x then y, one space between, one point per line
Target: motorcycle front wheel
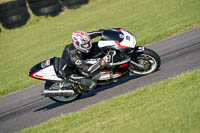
62 99
145 62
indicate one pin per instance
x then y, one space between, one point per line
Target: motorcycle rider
74 67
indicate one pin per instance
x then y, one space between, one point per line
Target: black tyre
73 4
14 19
12 12
42 4
149 60
61 99
12 4
15 25
52 10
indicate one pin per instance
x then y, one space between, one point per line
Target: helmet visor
86 45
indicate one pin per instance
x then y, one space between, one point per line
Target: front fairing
45 70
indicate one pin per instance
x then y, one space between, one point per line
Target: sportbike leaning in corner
85 65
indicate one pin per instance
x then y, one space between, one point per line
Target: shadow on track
49 107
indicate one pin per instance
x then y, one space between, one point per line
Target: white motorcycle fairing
128 41
45 70
47 73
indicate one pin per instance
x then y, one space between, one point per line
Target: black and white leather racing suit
74 67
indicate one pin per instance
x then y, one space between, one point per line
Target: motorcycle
126 58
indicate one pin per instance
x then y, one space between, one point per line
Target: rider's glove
107 58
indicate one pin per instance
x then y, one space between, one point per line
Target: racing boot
65 85
83 84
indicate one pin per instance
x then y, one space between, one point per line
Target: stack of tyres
73 4
14 14
45 7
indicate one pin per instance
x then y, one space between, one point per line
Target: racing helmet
81 41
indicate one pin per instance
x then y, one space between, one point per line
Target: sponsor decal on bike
45 63
121 36
78 62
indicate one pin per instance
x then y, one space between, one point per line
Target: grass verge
170 106
148 20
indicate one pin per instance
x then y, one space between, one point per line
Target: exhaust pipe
52 93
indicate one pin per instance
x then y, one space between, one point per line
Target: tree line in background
15 13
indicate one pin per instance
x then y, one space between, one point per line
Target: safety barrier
15 13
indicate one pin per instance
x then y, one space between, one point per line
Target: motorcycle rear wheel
150 61
62 99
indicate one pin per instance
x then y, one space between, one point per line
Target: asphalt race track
179 53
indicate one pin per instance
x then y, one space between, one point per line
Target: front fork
137 50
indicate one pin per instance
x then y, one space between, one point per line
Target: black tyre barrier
52 10
15 21
12 4
45 7
14 14
15 25
73 4
15 18
11 12
42 4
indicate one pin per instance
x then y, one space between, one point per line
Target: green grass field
41 38
170 106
